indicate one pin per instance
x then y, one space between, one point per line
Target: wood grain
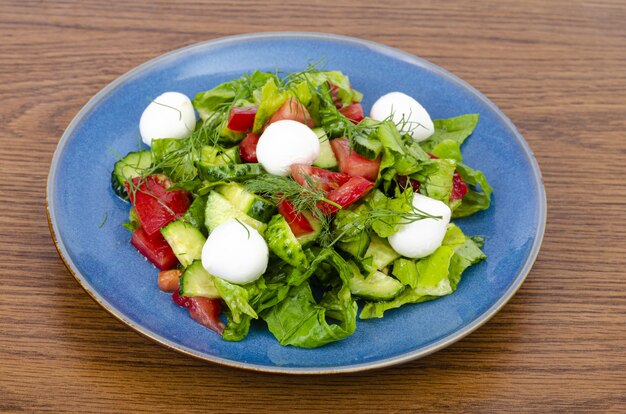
557 69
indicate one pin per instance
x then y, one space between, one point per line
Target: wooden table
556 68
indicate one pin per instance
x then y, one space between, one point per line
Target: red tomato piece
292 110
354 112
247 148
320 177
355 189
207 313
241 119
334 94
352 163
298 223
155 206
459 187
154 248
203 310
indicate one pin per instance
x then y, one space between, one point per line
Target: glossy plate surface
85 215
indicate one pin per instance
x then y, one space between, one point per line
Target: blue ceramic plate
85 215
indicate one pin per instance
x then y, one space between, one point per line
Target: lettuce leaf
455 129
433 276
438 184
300 321
271 99
476 199
236 298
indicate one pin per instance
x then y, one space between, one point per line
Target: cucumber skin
376 287
218 209
284 244
117 178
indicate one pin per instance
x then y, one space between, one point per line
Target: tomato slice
354 112
155 206
319 177
292 110
247 148
298 223
203 310
241 119
459 187
355 189
154 248
352 163
405 181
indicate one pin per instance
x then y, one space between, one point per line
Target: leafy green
236 298
195 214
178 168
475 199
433 276
438 185
456 129
271 99
299 321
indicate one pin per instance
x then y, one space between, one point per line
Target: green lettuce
433 276
272 97
299 321
438 184
455 129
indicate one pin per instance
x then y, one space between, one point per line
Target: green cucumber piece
129 167
185 240
253 205
284 244
327 158
219 209
196 281
212 172
381 252
356 246
228 156
367 147
376 287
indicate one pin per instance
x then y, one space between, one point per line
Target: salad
284 203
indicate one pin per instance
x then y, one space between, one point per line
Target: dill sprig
278 189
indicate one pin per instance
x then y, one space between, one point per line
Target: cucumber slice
127 168
309 238
381 252
253 205
377 286
284 244
327 158
228 156
196 281
219 209
212 172
185 240
367 147
356 246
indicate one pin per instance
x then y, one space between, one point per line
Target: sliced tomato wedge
298 223
154 248
404 182
247 148
155 206
355 189
459 186
352 163
241 119
292 110
354 112
319 177
203 310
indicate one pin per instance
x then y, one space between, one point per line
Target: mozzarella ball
421 238
284 143
170 115
407 114
235 252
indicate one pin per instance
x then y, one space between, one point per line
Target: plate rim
386 362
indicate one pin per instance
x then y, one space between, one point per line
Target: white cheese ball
421 238
170 115
284 143
406 111
235 252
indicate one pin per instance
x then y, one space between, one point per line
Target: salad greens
340 255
